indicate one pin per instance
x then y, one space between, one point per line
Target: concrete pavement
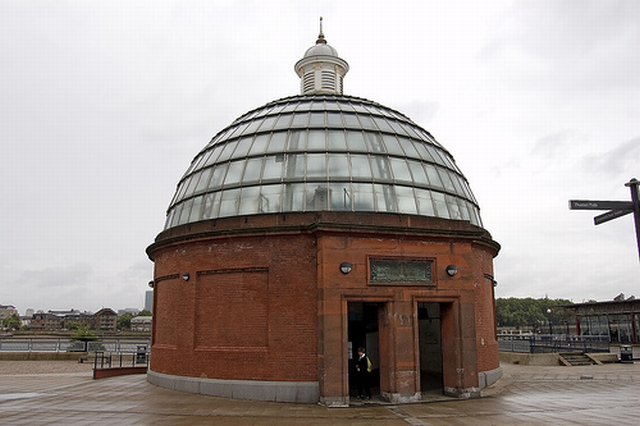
63 392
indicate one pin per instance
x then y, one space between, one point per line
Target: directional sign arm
610 215
600 205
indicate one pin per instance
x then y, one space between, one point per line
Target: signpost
616 208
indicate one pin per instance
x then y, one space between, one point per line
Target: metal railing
65 344
138 358
540 343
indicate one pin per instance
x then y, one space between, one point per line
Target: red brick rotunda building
309 227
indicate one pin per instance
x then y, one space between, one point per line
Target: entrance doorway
430 348
363 331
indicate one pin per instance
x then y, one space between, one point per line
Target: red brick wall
248 311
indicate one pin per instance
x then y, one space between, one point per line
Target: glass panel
317 197
192 182
278 109
435 154
345 106
454 208
393 146
252 171
434 177
340 196
317 140
440 205
214 155
260 144
294 197
196 210
374 140
397 127
210 205
419 177
422 150
283 121
317 106
401 170
409 148
362 195
273 167
360 167
444 175
229 203
334 119
186 211
338 166
409 129
425 203
270 199
381 167
249 199
240 129
350 120
356 141
243 147
228 149
277 142
300 120
455 179
203 183
290 107
406 200
382 124
337 141
385 198
253 126
294 168
297 141
316 165
218 176
367 122
360 108
235 173
268 123
464 210
317 119
304 106
331 106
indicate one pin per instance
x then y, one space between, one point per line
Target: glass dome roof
322 152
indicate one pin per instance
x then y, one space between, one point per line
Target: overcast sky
103 104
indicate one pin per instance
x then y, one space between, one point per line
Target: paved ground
62 392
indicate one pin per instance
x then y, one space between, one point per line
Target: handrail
66 344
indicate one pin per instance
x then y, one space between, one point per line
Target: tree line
514 312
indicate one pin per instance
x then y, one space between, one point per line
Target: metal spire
321 39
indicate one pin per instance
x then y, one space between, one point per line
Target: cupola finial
321 39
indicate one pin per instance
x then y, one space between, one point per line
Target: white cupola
321 70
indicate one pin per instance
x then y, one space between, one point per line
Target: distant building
619 319
105 321
6 311
42 321
132 311
141 324
148 300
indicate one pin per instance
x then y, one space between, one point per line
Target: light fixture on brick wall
346 267
452 270
186 276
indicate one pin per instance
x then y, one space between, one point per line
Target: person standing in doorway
363 368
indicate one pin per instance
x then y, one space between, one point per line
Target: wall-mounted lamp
186 276
346 267
151 284
452 270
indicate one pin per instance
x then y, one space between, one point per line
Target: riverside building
311 226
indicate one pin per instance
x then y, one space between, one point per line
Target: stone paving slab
64 393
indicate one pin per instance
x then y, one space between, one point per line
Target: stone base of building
487 378
299 392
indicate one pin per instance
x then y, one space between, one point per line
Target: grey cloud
624 157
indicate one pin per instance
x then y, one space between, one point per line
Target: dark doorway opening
363 331
430 348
